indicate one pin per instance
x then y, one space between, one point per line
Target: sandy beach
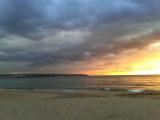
78 105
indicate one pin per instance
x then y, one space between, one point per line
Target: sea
140 82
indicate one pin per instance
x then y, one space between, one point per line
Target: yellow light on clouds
142 62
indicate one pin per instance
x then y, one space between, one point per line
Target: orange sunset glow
144 62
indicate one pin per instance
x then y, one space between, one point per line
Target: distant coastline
42 75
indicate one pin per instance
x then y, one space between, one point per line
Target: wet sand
79 105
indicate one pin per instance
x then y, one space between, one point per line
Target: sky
80 36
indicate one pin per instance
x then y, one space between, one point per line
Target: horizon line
78 74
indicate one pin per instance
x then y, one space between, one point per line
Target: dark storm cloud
30 18
44 32
21 17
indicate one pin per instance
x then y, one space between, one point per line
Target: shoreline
78 105
87 92
111 89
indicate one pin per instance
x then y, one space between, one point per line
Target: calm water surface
83 82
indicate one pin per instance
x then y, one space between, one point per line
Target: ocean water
81 82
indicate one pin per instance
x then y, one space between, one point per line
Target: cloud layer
35 35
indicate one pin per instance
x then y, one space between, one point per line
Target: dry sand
78 105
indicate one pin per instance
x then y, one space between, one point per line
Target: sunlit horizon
145 62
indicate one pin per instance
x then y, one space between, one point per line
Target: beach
78 105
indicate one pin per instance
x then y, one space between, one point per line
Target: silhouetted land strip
43 75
